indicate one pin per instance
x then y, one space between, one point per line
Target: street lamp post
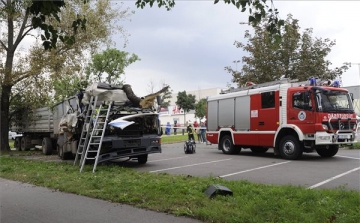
236 62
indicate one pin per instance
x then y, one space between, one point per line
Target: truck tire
227 146
290 148
24 144
259 149
330 151
46 146
62 154
17 144
142 159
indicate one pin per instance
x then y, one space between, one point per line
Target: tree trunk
4 118
135 100
6 83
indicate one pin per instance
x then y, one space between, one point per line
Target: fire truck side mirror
352 97
307 100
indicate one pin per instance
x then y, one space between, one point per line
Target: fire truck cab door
301 110
264 117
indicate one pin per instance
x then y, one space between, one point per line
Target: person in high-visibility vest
190 131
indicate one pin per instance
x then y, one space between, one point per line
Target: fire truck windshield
333 101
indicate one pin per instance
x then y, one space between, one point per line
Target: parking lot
311 171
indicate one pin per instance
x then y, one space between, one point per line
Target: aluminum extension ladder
85 132
97 133
92 133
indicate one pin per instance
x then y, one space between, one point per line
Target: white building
173 114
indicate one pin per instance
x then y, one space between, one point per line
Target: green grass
184 195
355 146
173 138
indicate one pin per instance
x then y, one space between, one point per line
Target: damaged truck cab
131 129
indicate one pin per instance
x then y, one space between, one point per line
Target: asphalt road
311 171
25 203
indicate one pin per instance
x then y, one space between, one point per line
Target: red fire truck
290 117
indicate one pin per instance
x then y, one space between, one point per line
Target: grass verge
173 139
355 146
184 195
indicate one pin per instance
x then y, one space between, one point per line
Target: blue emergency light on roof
336 83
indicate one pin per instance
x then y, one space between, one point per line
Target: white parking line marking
178 167
349 157
333 178
180 157
258 168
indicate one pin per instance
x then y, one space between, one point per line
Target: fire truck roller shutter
212 115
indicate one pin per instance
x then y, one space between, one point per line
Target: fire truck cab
290 117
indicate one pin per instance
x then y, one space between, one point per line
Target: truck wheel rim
226 145
289 148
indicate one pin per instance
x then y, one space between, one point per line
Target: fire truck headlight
325 127
325 138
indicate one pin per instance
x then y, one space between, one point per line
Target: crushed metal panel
104 94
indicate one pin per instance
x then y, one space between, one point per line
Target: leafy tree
200 108
110 62
28 79
297 56
259 10
185 102
165 102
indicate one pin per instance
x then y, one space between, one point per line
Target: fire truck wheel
142 159
330 151
227 146
290 148
46 146
259 149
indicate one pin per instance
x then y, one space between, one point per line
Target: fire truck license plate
343 136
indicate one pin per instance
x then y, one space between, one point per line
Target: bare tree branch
22 28
1 42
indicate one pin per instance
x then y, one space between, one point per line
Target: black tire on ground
259 149
142 159
227 145
17 143
185 149
47 146
24 144
290 148
62 154
330 151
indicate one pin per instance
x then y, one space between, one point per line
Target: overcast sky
189 46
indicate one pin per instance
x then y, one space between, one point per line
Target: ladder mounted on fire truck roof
254 86
294 82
